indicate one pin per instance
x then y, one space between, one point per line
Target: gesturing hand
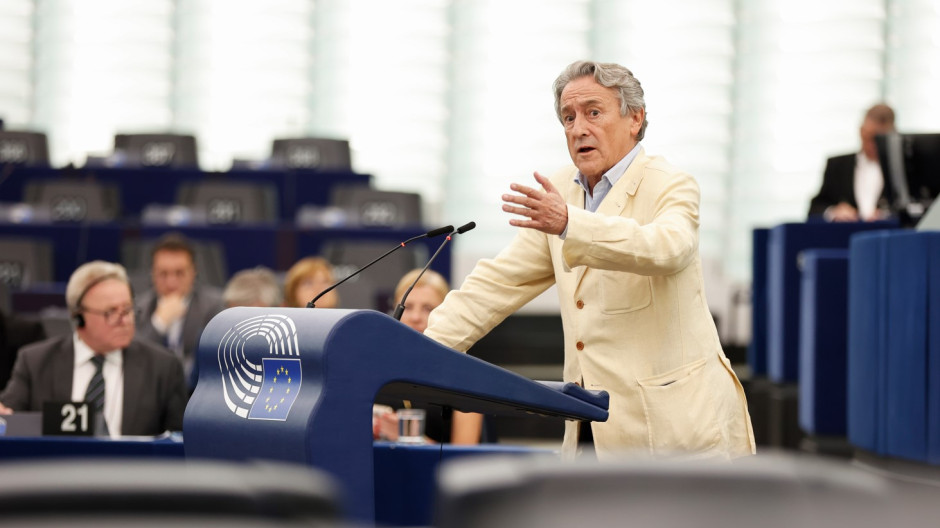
546 210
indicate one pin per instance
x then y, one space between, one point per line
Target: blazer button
579 345
579 304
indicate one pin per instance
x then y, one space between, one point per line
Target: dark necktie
94 394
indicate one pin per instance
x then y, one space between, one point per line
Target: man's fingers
522 189
545 183
523 211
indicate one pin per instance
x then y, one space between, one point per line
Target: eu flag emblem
279 389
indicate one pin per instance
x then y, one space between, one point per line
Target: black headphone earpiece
79 320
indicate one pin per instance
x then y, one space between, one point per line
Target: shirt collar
613 174
84 353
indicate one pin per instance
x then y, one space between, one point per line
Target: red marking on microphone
448 237
402 244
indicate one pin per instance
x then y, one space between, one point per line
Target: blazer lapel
134 377
64 371
627 185
616 198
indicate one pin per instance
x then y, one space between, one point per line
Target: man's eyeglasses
115 315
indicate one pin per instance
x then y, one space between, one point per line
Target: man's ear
636 121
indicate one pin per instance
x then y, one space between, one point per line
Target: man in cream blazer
618 234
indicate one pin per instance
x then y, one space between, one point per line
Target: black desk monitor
157 150
24 148
911 166
311 153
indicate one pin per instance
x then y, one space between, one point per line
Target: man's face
870 129
173 272
598 136
108 311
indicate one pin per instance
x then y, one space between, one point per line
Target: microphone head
439 231
466 227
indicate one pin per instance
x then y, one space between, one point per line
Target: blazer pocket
680 412
624 292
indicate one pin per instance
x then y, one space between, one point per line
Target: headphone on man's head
77 311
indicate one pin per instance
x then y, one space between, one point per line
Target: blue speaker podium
297 385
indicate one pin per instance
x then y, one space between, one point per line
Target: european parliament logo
265 389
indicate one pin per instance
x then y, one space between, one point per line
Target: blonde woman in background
305 279
427 294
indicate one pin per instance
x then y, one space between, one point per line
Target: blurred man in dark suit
852 183
176 310
138 386
15 332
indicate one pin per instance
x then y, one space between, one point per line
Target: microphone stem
400 309
312 303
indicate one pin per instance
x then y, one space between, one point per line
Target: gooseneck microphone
430 234
400 309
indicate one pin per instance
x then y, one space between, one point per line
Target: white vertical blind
100 67
452 98
243 75
683 54
506 56
381 80
806 72
16 62
912 76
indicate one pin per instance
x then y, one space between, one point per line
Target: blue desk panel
140 187
406 477
757 350
933 351
905 355
823 331
785 243
867 337
64 447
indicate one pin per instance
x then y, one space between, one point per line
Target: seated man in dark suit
852 183
177 309
136 385
15 332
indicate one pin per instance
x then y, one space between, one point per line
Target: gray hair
88 275
609 75
253 287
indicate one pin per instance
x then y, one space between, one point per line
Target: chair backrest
24 261
311 153
156 492
230 202
374 287
768 490
157 150
211 265
74 200
374 208
24 148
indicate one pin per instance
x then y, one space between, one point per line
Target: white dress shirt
869 183
113 372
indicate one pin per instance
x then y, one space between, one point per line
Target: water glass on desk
411 426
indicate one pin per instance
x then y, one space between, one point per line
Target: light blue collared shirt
593 200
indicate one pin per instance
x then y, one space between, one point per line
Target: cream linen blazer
636 323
